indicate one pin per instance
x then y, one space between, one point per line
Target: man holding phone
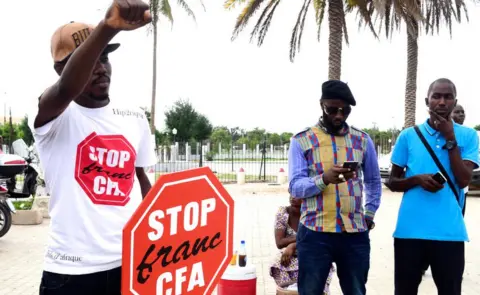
331 164
458 116
438 158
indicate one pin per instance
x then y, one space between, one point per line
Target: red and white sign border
132 251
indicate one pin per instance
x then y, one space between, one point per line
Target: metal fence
383 146
262 164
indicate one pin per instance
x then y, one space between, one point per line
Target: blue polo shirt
425 215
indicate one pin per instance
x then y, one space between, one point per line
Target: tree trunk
411 83
154 79
335 39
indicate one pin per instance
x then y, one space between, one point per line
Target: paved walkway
21 250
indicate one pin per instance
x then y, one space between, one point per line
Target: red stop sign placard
179 240
105 168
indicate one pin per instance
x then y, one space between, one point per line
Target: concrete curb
27 217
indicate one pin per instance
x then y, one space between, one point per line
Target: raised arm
464 162
74 75
76 72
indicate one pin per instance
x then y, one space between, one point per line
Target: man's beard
99 97
331 128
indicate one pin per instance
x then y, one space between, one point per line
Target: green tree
286 136
182 116
221 135
188 122
414 14
244 140
477 127
274 138
26 133
254 137
202 128
336 24
10 133
160 8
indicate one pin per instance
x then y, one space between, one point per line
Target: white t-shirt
89 158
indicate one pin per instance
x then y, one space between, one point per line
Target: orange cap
68 37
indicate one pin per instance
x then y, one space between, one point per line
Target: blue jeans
316 252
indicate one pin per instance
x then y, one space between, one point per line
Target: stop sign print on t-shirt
105 168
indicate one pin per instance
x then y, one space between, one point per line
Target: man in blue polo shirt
430 226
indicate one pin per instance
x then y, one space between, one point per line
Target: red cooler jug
238 281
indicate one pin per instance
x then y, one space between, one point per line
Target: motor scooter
12 165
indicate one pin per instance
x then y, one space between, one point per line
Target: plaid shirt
334 208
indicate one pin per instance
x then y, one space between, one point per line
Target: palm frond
319 7
231 4
203 5
393 13
187 9
446 11
166 10
266 24
245 15
262 19
297 31
302 25
364 10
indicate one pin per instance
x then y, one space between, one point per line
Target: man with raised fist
91 149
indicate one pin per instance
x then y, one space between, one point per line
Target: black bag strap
440 166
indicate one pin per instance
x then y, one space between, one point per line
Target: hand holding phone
430 182
438 177
352 165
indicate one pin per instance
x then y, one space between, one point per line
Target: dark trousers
316 252
99 283
446 260
425 264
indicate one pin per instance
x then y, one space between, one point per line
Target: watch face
450 145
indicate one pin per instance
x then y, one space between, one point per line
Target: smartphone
438 177
352 165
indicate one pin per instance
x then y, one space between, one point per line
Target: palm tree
160 8
416 13
336 10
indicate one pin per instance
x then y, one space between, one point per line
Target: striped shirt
334 207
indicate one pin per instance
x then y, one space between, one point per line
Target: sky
237 83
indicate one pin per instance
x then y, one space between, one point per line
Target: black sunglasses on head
334 110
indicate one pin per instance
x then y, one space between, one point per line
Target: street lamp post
174 132
232 134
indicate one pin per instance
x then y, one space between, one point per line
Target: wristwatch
450 145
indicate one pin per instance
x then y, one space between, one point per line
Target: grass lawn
23 205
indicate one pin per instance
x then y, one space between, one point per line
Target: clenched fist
127 15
